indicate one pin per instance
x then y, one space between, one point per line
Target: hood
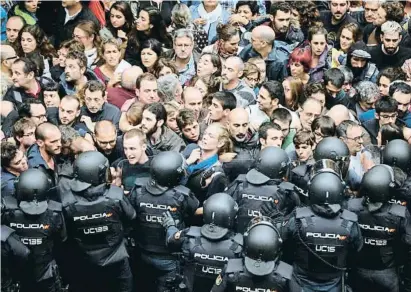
358 49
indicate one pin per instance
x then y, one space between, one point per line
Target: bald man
192 99
231 74
13 27
274 53
309 110
106 141
118 95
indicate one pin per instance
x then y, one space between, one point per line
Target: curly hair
162 63
43 46
181 16
309 13
394 11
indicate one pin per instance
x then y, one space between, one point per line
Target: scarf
221 52
203 165
211 17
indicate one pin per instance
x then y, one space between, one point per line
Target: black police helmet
331 148
262 244
32 188
325 188
167 168
377 184
397 153
273 162
91 168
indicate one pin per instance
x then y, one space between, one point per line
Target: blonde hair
171 107
223 137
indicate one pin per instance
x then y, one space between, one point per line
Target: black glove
270 209
168 220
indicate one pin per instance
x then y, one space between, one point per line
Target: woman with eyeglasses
32 43
87 32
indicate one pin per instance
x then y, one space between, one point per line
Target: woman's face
31 5
210 139
287 92
318 44
164 71
231 46
245 11
117 18
62 57
251 80
200 85
111 55
83 37
143 21
346 39
205 67
28 42
297 69
148 57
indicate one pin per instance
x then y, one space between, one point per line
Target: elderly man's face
230 71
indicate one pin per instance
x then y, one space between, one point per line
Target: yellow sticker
218 280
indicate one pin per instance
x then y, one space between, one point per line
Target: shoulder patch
303 212
6 232
397 210
350 216
182 189
114 192
55 206
141 181
219 280
356 204
194 231
10 203
234 265
285 270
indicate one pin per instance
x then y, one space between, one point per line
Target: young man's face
332 90
94 100
133 149
19 162
391 41
73 70
28 137
282 21
404 101
386 118
216 110
384 85
192 132
304 152
338 9
51 98
274 138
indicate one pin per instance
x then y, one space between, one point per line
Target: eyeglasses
393 116
361 137
40 117
28 134
11 58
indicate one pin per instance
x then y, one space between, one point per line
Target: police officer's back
260 269
386 229
264 183
324 236
207 249
150 198
95 213
40 225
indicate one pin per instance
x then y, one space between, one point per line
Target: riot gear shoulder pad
300 170
194 231
397 210
356 204
241 178
303 212
141 181
10 203
234 265
285 270
286 186
115 193
6 232
183 190
238 238
350 216
55 206
68 199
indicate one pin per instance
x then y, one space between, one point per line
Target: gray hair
367 91
239 62
68 134
181 16
348 75
391 27
167 86
183 32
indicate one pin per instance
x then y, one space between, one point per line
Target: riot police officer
329 148
95 213
397 153
206 249
40 225
264 183
386 229
323 236
150 198
261 269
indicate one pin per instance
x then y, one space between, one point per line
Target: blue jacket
7 183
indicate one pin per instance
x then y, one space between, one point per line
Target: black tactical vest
204 258
239 279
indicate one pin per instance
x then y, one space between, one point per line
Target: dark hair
158 110
312 88
8 153
394 11
342 128
316 29
264 127
251 4
304 137
125 9
226 31
145 76
335 76
43 46
94 86
281 114
21 125
279 6
185 117
386 105
79 56
48 84
399 86
163 62
29 65
275 89
392 73
38 59
216 61
24 108
325 124
155 46
226 99
390 132
308 13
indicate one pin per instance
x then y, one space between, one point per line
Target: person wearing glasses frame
7 56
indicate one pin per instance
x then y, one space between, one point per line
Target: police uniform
95 219
150 201
38 230
252 190
236 277
387 245
14 258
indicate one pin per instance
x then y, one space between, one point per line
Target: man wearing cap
40 224
358 60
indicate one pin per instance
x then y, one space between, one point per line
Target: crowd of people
214 145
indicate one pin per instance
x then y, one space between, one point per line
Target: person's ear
262 141
31 75
40 143
160 123
78 113
137 92
275 101
377 116
144 147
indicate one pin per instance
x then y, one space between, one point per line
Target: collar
36 95
68 17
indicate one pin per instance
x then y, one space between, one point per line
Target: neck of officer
232 84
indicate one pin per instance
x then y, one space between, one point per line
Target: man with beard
42 154
281 23
401 92
189 128
368 15
390 53
160 138
334 19
107 142
96 107
245 144
13 27
231 81
334 81
358 60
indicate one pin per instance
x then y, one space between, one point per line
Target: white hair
391 27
